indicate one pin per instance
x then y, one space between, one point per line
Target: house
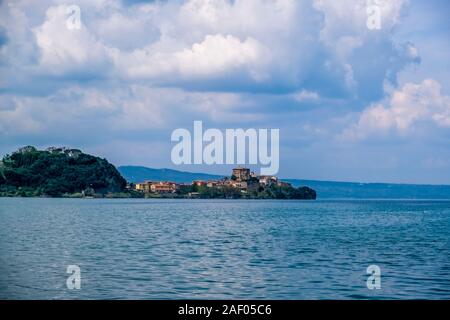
143 186
156 187
267 180
242 185
214 183
163 187
199 183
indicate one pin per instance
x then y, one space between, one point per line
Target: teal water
175 249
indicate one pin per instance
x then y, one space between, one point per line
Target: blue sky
352 104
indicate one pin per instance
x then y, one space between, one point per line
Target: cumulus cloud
366 57
218 53
214 56
76 110
14 116
403 110
279 45
67 50
351 17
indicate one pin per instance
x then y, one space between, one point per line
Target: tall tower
241 174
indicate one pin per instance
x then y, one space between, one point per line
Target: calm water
149 249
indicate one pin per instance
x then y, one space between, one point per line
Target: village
242 180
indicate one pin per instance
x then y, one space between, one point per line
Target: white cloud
218 53
221 45
364 56
14 117
403 110
348 18
101 112
306 95
215 55
66 50
127 29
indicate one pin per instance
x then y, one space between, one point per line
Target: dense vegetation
57 172
270 192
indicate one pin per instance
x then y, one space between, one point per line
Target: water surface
239 249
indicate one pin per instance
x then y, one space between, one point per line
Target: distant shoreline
72 174
146 198
241 199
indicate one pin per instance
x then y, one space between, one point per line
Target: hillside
140 174
57 172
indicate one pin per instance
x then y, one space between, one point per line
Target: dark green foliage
231 193
224 192
305 193
285 192
185 189
55 172
228 192
205 192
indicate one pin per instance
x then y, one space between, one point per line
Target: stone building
241 174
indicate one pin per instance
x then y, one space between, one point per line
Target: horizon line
284 178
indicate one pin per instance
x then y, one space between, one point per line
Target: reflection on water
150 249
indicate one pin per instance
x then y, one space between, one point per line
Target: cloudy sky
351 103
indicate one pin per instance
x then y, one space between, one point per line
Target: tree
57 172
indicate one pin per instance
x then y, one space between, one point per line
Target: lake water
238 249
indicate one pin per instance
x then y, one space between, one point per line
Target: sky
352 103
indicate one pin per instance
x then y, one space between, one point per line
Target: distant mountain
325 189
140 174
355 190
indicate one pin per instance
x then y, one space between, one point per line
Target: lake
223 249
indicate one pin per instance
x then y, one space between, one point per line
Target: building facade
241 174
156 187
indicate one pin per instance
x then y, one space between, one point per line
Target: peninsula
64 172
241 184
